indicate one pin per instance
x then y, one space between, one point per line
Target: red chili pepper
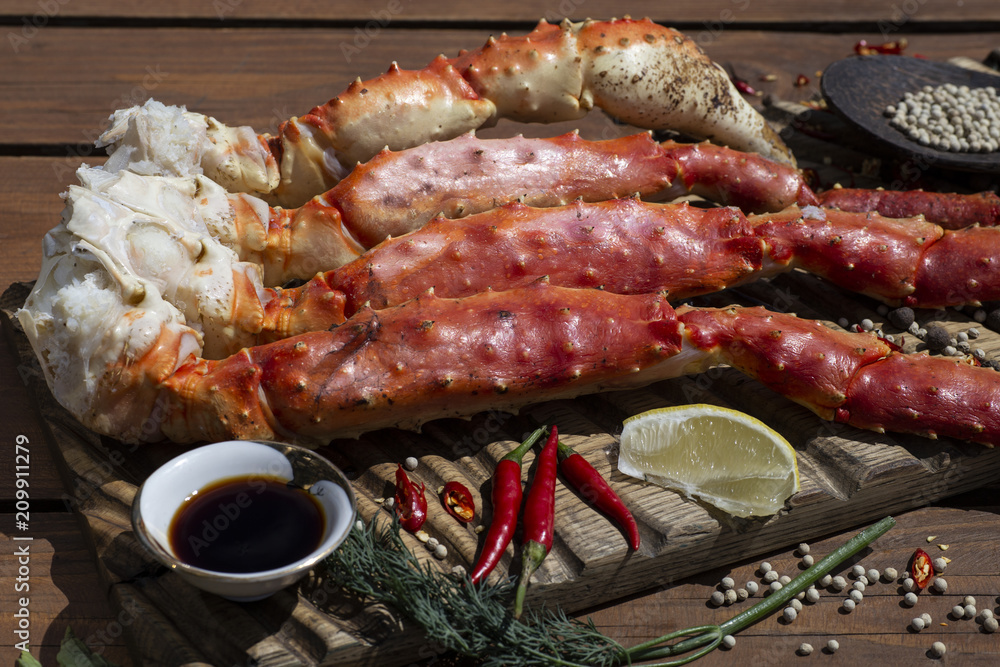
411 503
506 499
588 482
921 568
458 501
539 517
801 80
863 48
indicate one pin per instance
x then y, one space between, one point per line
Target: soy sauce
246 524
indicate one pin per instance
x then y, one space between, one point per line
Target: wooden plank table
66 66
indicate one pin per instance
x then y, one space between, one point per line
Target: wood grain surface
258 63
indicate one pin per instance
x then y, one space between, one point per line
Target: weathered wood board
848 477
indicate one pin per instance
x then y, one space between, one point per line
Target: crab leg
849 377
642 73
432 358
949 210
629 246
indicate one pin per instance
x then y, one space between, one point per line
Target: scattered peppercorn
937 337
848 605
901 318
938 649
805 649
718 598
910 599
940 585
833 646
917 624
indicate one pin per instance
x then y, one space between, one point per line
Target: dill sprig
475 621
472 620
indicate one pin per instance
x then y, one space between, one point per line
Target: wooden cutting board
849 477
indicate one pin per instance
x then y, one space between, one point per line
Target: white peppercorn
938 649
910 599
790 614
859 586
958 611
812 595
889 574
717 598
776 586
848 605
440 552
795 604
917 624
833 646
858 571
940 565
807 560
990 624
741 594
969 600
949 117
872 575
770 576
728 642
727 583
984 614
940 585
765 567
411 463
803 548
752 587
784 579
926 619
909 584
863 580
826 580
970 611
839 583
805 649
856 595
730 596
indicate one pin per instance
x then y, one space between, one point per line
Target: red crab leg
426 359
951 211
853 378
642 73
434 357
628 246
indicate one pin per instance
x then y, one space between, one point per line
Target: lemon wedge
721 456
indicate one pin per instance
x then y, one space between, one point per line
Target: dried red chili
539 517
921 568
588 482
411 502
458 501
863 48
506 499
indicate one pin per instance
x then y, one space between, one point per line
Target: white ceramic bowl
162 494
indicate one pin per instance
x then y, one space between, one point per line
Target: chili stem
712 634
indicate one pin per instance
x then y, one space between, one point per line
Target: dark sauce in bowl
247 524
